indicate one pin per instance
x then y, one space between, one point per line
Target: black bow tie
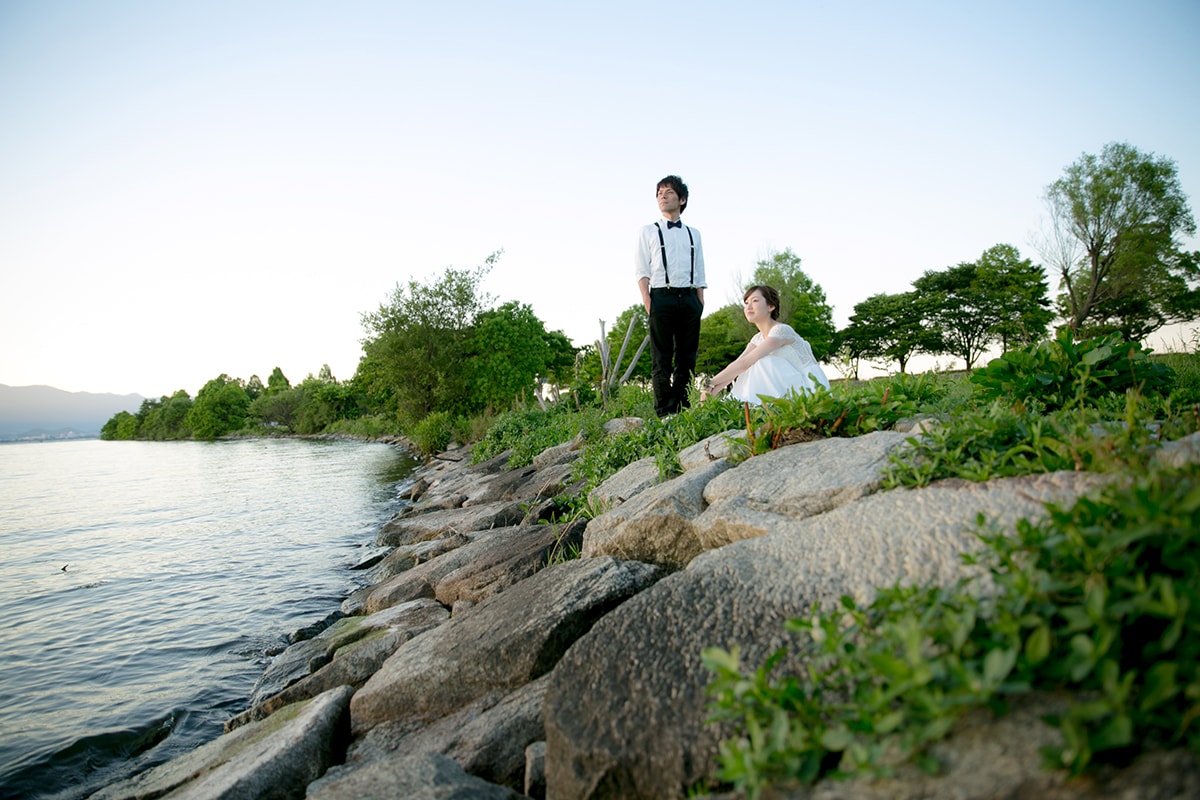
676 224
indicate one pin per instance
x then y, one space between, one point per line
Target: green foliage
418 343
845 410
1101 600
1185 367
723 336
219 408
121 426
508 350
433 433
661 439
1115 220
528 432
1064 373
890 327
802 302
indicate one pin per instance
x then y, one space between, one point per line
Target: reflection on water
143 584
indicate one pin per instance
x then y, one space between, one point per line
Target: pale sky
196 188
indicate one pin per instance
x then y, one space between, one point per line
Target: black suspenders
662 244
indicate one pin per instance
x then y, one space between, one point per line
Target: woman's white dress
791 366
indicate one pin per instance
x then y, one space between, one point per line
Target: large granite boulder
793 483
510 558
275 758
655 525
419 776
626 707
505 642
488 737
625 483
412 528
354 654
477 567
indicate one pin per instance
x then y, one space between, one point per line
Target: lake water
143 585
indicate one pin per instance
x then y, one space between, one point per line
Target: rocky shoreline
485 661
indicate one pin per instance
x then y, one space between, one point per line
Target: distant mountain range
43 412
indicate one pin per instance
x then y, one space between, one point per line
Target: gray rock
715 448
535 770
410 555
626 707
627 482
487 738
792 483
1179 452
310 655
503 643
505 557
423 580
446 522
561 454
354 655
656 526
422 776
275 758
623 425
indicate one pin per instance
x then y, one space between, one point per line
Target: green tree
723 336
961 308
416 343
1114 222
219 408
277 381
254 387
1019 292
889 326
509 355
802 302
278 408
122 426
165 419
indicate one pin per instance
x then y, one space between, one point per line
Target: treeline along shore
494 654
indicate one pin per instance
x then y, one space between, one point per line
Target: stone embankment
482 661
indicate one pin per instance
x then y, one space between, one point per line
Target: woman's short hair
769 294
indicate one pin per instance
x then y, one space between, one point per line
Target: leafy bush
1064 373
845 410
434 433
1101 600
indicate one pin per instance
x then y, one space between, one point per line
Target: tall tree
962 309
1023 296
219 408
510 354
416 343
802 302
1114 222
277 381
889 326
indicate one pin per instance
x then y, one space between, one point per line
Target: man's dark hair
676 183
769 294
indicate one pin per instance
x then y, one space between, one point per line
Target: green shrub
1064 373
433 434
1101 600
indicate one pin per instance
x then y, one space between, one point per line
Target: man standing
670 275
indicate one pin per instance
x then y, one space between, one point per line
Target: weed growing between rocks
1101 600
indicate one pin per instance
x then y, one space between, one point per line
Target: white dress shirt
679 256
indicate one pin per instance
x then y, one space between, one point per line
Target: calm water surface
142 586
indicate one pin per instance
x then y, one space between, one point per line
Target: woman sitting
776 361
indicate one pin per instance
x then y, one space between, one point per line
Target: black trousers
674 339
